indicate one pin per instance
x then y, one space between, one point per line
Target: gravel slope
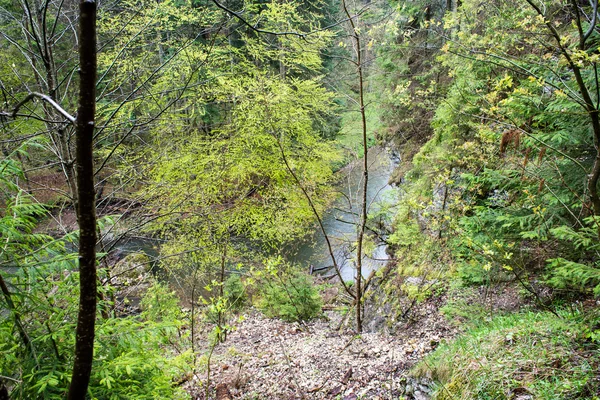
271 359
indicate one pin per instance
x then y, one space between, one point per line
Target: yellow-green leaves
233 182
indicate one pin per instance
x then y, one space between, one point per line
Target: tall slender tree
86 207
358 62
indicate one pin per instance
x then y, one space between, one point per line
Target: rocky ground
271 359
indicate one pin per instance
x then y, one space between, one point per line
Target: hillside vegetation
494 109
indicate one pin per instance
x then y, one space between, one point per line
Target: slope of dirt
271 359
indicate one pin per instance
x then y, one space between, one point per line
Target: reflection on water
342 219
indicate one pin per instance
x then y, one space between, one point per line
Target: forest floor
267 358
272 359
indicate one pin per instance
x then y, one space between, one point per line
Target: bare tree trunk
363 204
593 182
86 206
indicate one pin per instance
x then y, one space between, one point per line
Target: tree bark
86 206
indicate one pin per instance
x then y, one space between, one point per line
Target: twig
348 344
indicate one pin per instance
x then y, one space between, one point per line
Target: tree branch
594 4
253 27
45 98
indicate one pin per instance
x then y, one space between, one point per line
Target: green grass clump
541 354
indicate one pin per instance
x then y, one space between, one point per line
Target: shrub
235 292
134 356
291 298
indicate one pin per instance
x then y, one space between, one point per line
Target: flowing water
341 220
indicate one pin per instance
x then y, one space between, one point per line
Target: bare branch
594 4
45 98
253 27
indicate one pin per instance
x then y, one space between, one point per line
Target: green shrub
160 304
235 292
292 298
134 357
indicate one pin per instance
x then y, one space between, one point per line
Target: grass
539 354
460 308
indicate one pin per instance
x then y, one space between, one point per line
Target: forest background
217 132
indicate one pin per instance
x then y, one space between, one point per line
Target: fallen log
312 269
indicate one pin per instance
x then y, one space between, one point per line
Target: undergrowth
537 354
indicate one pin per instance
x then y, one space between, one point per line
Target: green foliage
160 304
419 292
350 135
288 295
31 267
511 143
501 184
235 187
565 274
421 269
410 83
134 356
583 273
240 173
546 356
235 292
291 299
219 111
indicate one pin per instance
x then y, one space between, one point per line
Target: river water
341 220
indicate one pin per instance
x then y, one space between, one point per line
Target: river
341 220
